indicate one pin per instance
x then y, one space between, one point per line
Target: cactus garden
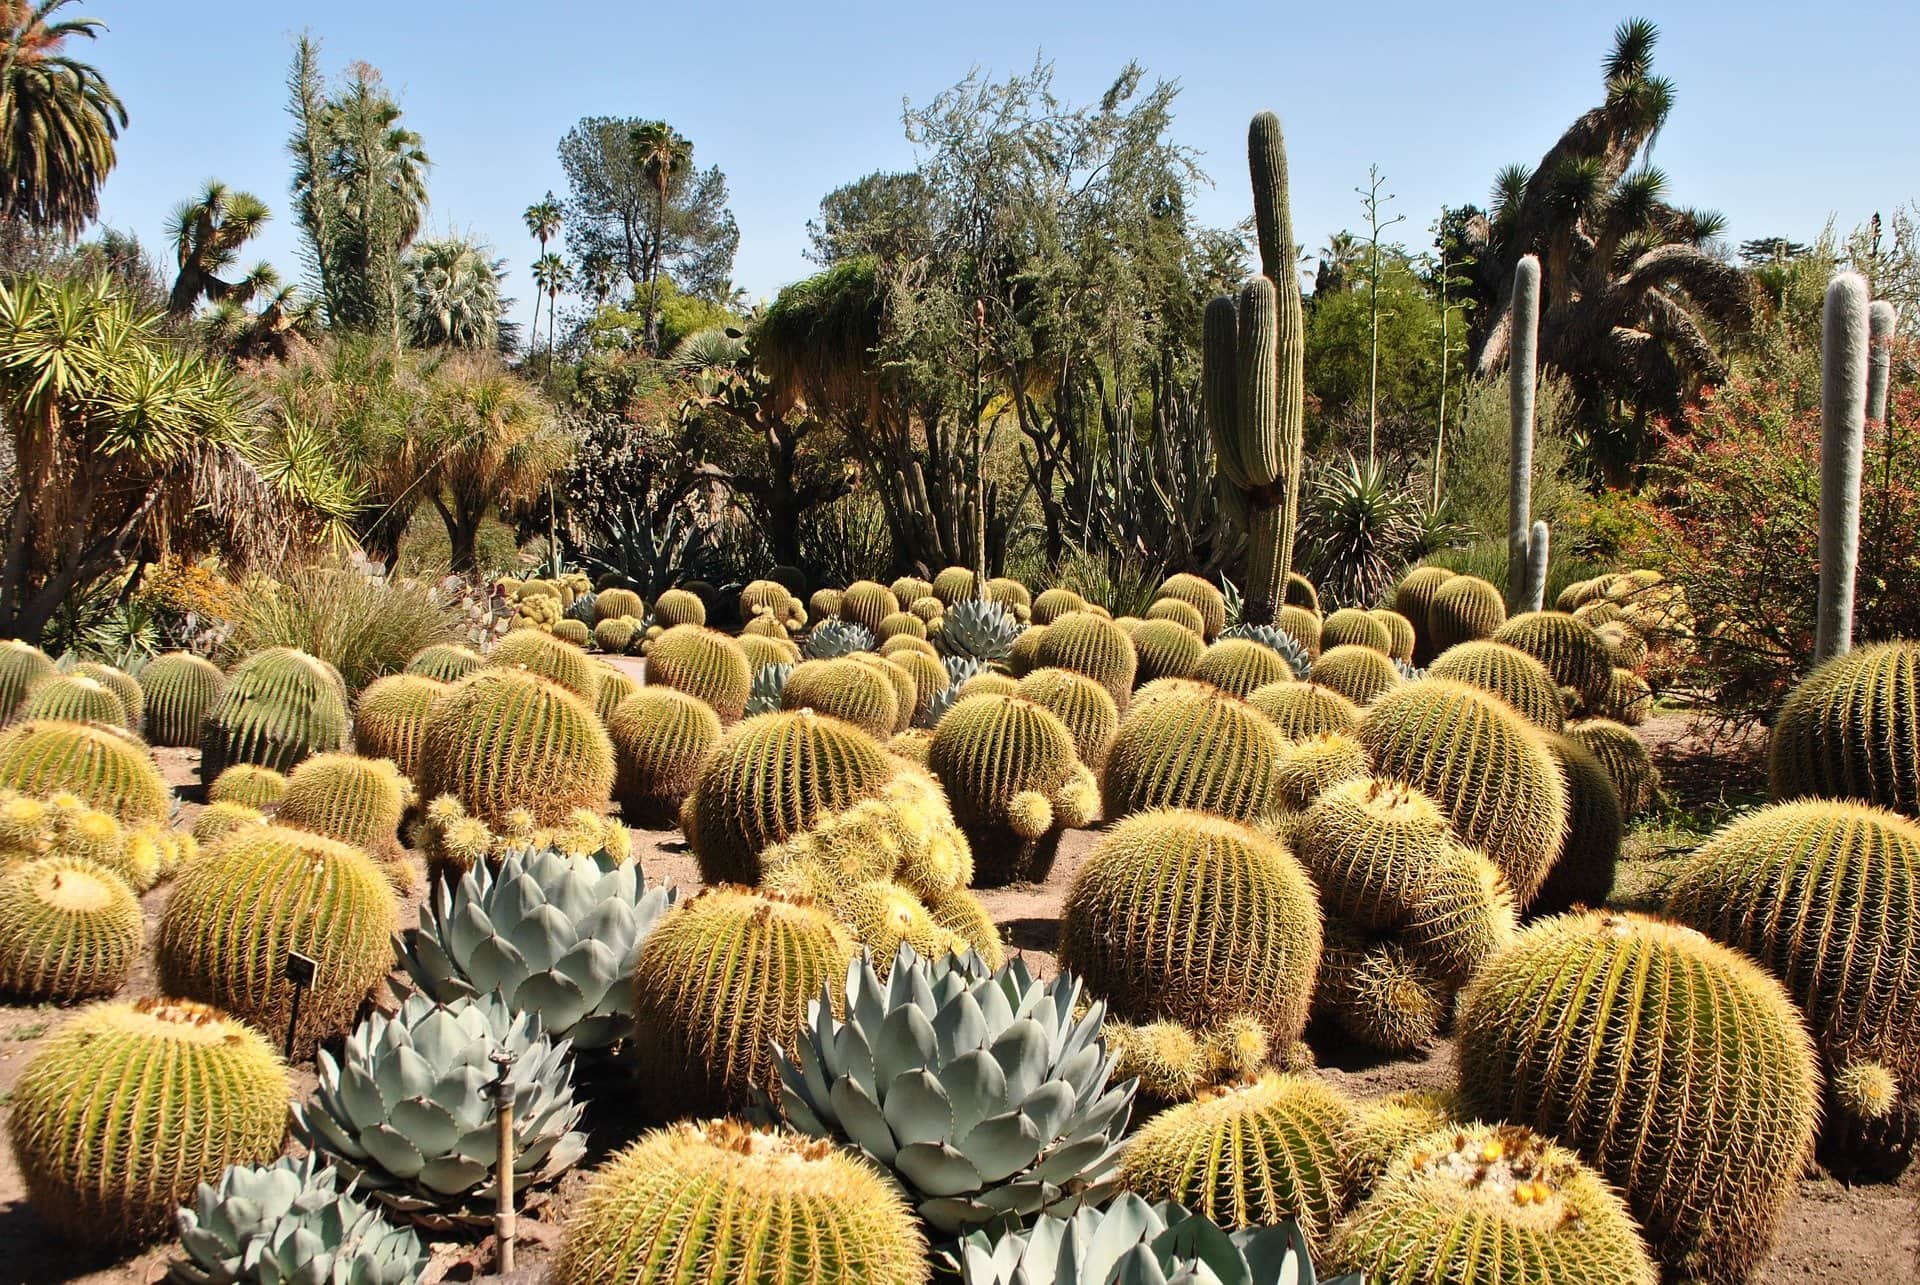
1081 739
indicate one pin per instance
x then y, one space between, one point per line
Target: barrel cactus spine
180 688
106 767
279 706
1015 782
70 929
1198 748
1851 729
22 666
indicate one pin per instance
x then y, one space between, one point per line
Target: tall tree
453 293
58 119
664 156
550 277
207 234
613 199
494 440
543 224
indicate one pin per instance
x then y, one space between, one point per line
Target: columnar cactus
444 662
704 663
1509 673
180 689
1300 710
723 979
264 891
22 666
106 767
1523 340
503 741
128 1108
279 706
1198 748
1695 1092
1462 609
1189 917
1010 769
661 739
751 1207
1843 428
1166 649
70 929
1851 730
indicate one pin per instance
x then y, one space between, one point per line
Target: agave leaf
937 1169
976 1086
1002 1145
916 1108
906 1040
860 1116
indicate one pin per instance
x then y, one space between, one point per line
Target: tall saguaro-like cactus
1522 372
1255 376
1881 318
1843 427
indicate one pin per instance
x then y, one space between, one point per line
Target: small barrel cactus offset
553 935
1379 997
1462 609
1509 673
1055 603
770 600
721 980
661 739
1851 730
1183 613
1826 895
1079 702
833 638
506 740
1091 645
1300 710
557 659
1696 1095
403 1111
1238 665
1249 1155
22 666
751 1207
676 607
279 706
1492 1205
821 765
1202 596
884 917
264 891
1195 748
1311 765
1413 599
248 783
615 634
445 662
845 689
1371 847
1626 760
1166 649
128 1108
1401 635
180 689
1189 917
107 768
1573 653
1355 627
867 603
1361 674
1487 768
1583 876
77 699
1383 1127
984 1092
1463 915
70 929
1010 769
355 800
289 1221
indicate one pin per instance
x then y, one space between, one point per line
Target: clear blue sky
1785 113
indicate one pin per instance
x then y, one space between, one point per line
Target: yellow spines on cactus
444 662
390 718
260 893
761 651
559 660
1492 1205
722 979
1413 597
661 739
1248 1155
1239 665
1298 710
1191 917
751 1207
1463 915
1691 1084
1629 698
1851 730
867 603
930 679
952 584
959 911
22 667
1306 767
1573 653
899 643
128 1108
1174 1064
911 745
179 689
1462 609
217 820
69 930
143 855
1204 598
1371 846
1051 604
1625 758
1355 627
1092 645
1401 636
248 783
1509 673
772 777
353 799
824 604
616 603
1486 766
107 767
1302 624
1381 999
279 706
901 622
675 607
765 626
76 698
702 663
1625 644
1361 674
615 634
1166 649
1194 747
572 632
1383 1127
908 589
1181 613
883 916
905 694
1596 825
1826 896
990 682
1024 655
1014 780
1080 703
615 686
904 833
929 609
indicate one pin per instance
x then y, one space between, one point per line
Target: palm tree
543 224
207 234
597 274
1337 262
455 291
58 119
550 277
493 439
663 155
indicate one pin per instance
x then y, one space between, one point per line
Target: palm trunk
653 272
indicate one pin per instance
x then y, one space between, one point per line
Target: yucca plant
1361 525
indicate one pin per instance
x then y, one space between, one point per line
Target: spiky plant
930 681
22 666
1307 767
217 820
1051 604
1185 614
1462 916
1190 917
279 706
1249 1155
1383 1127
1509 673
107 768
1851 730
1080 703
1493 1205
866 603
248 783
1299 710
846 689
1596 825
75 698
1401 635
984 1092
832 638
1487 768
70 929
752 1207
1092 645
1572 652
1463 609
1015 782
1166 649
1355 627
133 698
1379 997
1625 758
402 1112
676 607
1202 596
909 589
901 622
1413 598
503 741
1173 1064
705 664
128 1108
761 652
1361 674
1695 1091
953 585
1826 896
1198 748
1371 847
573 633
444 662
1238 665
1290 646
239 909
721 980
661 738
180 689
289 1221
558 659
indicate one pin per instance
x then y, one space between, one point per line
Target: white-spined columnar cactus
287 1223
981 1091
1843 430
1522 373
553 935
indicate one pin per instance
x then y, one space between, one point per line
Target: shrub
364 626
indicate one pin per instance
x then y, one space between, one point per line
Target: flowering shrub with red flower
1736 487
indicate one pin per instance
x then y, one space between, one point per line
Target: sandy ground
1833 1232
